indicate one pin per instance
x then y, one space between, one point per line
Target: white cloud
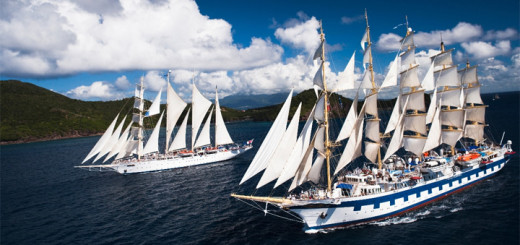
301 35
462 32
154 81
122 83
66 37
97 90
508 33
481 50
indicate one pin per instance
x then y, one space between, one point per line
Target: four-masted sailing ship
129 154
420 165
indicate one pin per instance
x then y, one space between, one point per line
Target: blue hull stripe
377 201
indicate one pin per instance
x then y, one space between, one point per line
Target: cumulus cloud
122 83
462 32
482 50
49 38
301 35
97 90
508 33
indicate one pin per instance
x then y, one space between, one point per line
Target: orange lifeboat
468 157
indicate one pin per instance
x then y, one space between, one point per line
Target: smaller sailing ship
129 154
430 169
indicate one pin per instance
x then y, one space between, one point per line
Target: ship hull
359 210
153 165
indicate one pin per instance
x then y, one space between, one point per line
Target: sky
99 49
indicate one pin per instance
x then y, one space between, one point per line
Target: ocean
45 200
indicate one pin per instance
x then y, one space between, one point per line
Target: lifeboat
468 157
185 153
416 178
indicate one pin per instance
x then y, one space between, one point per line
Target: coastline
48 138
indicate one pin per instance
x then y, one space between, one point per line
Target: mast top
442 44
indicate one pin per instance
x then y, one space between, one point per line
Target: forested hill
31 113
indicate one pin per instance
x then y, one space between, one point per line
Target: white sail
450 137
450 97
371 105
270 143
111 141
474 131
416 101
371 150
174 109
319 115
428 82
152 145
204 136
348 125
319 143
315 171
415 123
447 77
434 135
200 106
364 39
409 78
102 141
476 114
397 137
318 78
407 41
414 144
353 148
408 58
179 142
394 117
453 117
367 54
473 95
155 107
120 142
300 176
279 158
129 148
298 152
468 75
222 136
442 59
432 108
319 51
391 76
347 79
366 83
372 130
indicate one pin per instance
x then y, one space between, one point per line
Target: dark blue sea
44 200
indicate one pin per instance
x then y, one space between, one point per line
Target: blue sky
97 50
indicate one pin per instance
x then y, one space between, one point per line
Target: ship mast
374 89
326 110
140 132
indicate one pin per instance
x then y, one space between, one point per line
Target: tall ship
129 153
430 153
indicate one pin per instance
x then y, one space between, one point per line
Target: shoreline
49 138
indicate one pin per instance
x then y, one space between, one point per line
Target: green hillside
31 113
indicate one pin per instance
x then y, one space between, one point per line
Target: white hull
357 210
150 165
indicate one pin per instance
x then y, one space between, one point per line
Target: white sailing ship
129 154
430 169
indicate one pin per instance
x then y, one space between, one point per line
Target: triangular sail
175 107
111 141
152 145
120 142
102 141
270 143
280 156
155 107
204 137
221 133
200 106
298 152
179 142
391 76
347 80
348 125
